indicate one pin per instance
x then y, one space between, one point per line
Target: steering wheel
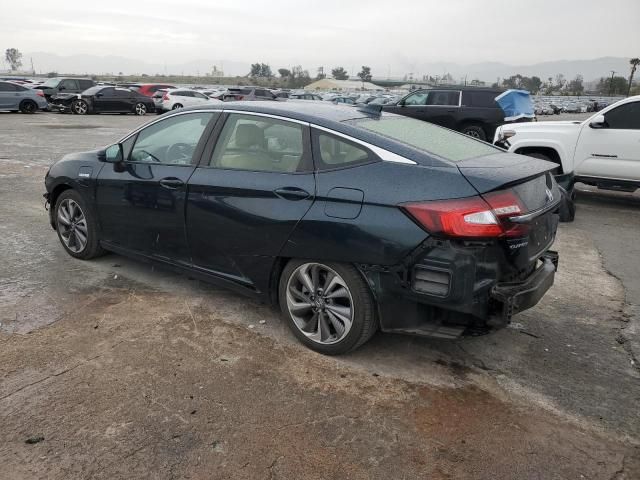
180 151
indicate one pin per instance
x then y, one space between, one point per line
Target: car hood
491 172
543 126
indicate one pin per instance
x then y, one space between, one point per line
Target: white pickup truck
603 150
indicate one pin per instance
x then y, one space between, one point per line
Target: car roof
320 113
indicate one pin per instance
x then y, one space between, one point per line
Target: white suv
182 97
603 150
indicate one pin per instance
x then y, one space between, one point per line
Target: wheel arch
548 151
53 198
281 262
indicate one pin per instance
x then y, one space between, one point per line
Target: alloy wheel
320 303
29 107
141 109
72 225
80 108
472 133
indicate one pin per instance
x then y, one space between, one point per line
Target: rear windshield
426 136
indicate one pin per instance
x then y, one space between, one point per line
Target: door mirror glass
598 122
112 154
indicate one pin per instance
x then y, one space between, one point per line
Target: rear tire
76 226
567 210
475 131
328 306
28 106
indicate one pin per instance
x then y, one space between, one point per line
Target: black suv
248 94
53 86
472 111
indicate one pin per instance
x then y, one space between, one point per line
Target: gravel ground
116 369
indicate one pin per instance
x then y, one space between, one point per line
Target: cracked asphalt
117 369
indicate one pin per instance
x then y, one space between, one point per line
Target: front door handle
292 193
171 183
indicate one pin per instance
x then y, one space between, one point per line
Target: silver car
16 97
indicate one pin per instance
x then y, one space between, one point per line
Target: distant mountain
491 71
45 62
486 71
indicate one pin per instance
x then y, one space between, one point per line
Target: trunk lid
532 225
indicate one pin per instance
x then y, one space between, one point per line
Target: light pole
611 83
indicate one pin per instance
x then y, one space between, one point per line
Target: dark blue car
348 219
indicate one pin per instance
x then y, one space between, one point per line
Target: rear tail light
470 217
40 93
165 97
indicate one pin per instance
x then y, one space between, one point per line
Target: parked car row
556 104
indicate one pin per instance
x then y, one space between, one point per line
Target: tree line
297 77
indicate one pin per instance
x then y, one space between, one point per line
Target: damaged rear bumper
520 296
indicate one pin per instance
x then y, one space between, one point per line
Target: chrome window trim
385 155
153 122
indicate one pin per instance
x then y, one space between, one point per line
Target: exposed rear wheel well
547 152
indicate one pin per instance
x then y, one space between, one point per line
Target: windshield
425 136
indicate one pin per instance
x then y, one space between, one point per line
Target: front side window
624 117
334 152
171 141
261 144
69 85
419 98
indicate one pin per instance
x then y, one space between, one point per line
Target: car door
141 201
199 98
69 85
9 97
442 108
103 100
123 100
246 198
611 150
413 105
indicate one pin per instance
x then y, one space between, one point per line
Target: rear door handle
292 193
171 183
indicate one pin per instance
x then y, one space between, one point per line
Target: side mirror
111 154
98 94
598 122
401 103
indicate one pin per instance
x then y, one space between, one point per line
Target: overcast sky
382 33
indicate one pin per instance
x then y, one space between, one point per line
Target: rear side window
428 137
260 144
624 117
330 152
445 98
84 84
482 99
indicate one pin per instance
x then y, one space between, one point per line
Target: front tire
475 131
176 106
76 226
80 107
28 106
327 306
140 109
567 210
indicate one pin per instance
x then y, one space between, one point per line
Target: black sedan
103 99
348 219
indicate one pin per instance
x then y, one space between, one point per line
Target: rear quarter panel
380 234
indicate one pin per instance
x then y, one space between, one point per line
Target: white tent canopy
342 85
